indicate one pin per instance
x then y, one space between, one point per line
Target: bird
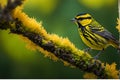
93 34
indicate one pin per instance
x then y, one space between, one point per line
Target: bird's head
83 19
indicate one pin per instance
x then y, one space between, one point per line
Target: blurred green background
16 61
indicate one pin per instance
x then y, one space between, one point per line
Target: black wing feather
105 33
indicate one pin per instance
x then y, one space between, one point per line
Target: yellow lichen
32 46
90 76
29 23
118 26
111 71
66 63
3 3
65 42
62 42
47 54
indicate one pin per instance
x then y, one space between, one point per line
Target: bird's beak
73 20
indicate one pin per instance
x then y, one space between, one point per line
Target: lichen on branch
118 26
53 46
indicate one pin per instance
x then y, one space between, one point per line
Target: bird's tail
116 44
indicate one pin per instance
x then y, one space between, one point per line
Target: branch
50 44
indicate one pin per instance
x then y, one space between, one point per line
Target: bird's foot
87 50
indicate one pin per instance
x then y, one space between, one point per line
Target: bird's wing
104 33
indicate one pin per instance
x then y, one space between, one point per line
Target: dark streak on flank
86 37
95 39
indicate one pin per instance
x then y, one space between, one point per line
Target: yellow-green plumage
93 34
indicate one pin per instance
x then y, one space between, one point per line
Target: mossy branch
57 48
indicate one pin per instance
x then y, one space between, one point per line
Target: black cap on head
81 13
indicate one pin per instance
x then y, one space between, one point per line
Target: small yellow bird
93 34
